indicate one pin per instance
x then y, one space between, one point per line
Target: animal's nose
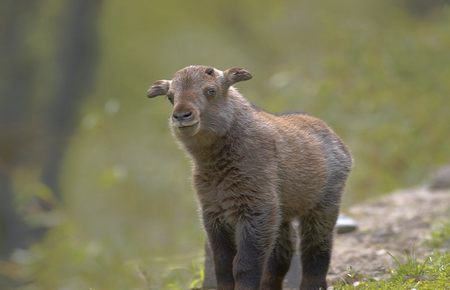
182 116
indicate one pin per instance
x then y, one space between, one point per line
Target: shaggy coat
254 173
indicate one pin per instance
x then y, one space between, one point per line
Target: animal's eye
170 98
210 92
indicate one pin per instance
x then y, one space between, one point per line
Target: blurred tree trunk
16 86
77 60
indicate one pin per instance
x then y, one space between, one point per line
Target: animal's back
312 161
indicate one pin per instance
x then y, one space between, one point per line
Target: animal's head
199 95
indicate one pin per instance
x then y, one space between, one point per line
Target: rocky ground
393 226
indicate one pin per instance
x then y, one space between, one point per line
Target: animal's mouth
182 125
186 129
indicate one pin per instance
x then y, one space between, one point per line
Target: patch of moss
440 237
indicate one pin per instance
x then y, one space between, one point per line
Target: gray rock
345 224
441 179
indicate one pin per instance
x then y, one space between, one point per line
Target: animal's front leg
255 237
223 249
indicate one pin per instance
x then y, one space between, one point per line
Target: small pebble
381 252
345 224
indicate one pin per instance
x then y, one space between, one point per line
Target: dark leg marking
255 238
316 231
279 260
223 249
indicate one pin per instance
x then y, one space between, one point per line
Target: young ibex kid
254 173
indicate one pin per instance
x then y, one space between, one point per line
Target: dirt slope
392 225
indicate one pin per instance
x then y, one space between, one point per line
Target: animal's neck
207 145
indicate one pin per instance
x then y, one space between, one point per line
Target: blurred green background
93 188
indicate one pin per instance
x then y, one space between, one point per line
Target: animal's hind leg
316 238
279 260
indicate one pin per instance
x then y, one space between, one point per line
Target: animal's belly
299 196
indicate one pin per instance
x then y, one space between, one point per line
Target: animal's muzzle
183 116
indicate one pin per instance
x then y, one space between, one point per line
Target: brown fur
254 173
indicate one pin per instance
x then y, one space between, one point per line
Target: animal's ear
158 88
236 74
